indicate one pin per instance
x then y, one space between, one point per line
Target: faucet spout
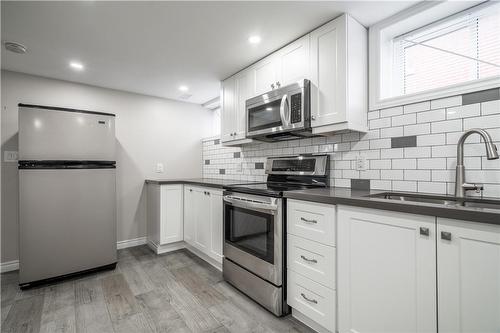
461 186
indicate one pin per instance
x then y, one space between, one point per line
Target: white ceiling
153 47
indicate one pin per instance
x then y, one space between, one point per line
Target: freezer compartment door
67 221
46 134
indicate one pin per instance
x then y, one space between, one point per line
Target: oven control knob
272 86
313 117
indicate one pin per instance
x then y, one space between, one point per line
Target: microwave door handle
284 120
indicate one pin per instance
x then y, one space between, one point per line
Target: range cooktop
273 189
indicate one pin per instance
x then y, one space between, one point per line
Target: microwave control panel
296 108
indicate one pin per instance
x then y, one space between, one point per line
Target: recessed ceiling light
76 65
183 88
254 39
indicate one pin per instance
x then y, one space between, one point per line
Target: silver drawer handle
308 221
310 260
309 299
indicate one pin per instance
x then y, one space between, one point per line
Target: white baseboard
308 322
13 265
159 249
9 266
203 256
131 243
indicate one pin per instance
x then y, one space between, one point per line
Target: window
436 51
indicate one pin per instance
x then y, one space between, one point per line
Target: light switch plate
10 156
159 168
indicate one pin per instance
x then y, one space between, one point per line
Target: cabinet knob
446 235
424 231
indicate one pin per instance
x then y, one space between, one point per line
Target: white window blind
462 48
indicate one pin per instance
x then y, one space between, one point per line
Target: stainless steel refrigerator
67 192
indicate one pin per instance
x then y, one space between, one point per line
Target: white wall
148 130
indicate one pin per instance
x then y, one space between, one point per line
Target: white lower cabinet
203 220
311 263
164 215
192 214
468 261
386 271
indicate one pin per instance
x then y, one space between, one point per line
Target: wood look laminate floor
173 292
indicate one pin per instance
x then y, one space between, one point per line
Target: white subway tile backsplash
391 112
417 129
491 121
428 167
447 126
446 102
463 111
407 186
431 140
431 163
391 132
379 123
417 107
491 107
431 116
405 119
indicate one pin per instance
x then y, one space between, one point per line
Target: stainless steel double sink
440 200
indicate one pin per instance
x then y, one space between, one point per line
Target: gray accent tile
404 141
216 142
207 162
237 155
259 165
222 171
360 184
481 96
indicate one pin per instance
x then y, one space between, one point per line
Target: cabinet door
328 73
245 89
266 74
202 224
468 276
189 215
386 271
171 227
216 225
294 61
228 111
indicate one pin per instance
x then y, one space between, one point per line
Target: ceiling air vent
185 96
15 47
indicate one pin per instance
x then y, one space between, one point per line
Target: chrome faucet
461 186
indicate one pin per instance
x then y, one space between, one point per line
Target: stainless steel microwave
280 114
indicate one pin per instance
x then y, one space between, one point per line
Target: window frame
381 54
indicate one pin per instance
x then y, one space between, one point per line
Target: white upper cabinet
386 271
265 73
333 57
228 114
468 261
293 62
338 74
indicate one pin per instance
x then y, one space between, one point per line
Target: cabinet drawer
311 220
312 299
311 259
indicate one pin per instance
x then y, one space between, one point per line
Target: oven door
253 234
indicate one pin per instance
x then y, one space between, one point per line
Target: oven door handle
285 121
251 204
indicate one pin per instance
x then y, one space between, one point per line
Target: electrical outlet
10 156
159 168
361 163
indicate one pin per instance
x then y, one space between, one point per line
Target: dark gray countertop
337 195
208 182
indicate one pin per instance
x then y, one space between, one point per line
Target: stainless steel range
254 228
